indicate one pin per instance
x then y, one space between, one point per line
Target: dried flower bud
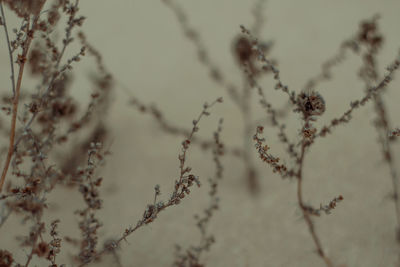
310 103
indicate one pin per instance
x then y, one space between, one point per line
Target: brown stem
21 62
303 208
250 170
13 123
9 49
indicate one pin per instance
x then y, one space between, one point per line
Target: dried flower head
369 33
394 133
310 103
6 258
243 49
42 249
25 8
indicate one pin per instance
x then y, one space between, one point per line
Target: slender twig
347 115
259 19
325 73
172 128
388 155
176 194
9 49
21 61
5 216
30 256
56 74
269 64
303 207
372 39
205 59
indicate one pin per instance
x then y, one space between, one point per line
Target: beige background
144 47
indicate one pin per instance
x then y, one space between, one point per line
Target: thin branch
205 59
371 38
347 115
334 61
259 19
272 116
269 65
9 48
21 61
304 208
181 189
57 72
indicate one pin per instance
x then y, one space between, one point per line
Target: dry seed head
311 103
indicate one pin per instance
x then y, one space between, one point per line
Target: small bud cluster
395 133
266 157
324 208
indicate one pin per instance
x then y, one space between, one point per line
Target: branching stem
21 62
303 207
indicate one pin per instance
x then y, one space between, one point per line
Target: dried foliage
191 255
311 105
51 119
394 133
240 96
54 142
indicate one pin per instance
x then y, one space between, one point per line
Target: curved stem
303 208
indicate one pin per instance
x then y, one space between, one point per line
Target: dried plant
241 51
191 256
56 140
394 133
181 190
311 105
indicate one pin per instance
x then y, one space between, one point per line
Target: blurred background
143 46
